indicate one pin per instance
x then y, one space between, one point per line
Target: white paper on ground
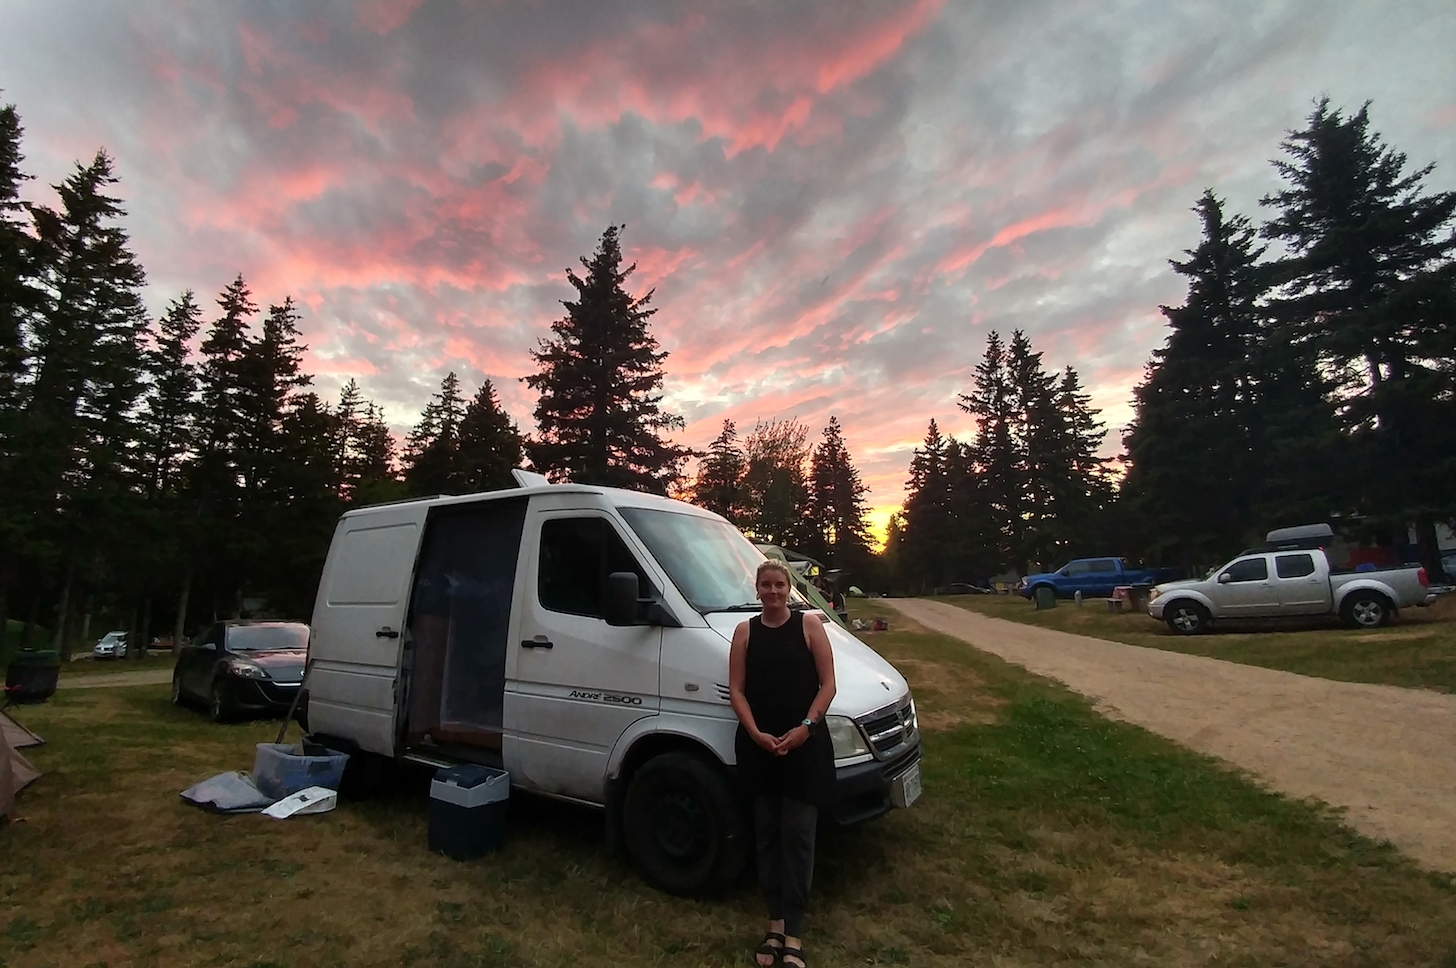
315 799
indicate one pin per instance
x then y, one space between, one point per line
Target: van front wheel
683 826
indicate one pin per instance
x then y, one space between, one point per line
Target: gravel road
1385 754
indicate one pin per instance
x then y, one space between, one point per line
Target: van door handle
386 633
538 642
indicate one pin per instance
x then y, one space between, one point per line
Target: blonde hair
773 564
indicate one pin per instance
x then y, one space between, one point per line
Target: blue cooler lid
467 776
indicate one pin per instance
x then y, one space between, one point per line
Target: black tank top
780 683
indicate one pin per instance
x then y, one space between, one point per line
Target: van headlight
846 737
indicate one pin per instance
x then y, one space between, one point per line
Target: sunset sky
835 201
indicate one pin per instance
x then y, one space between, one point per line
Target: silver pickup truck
1273 584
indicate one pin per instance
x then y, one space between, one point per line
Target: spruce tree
1200 405
375 476
17 293
992 401
836 500
432 451
720 476
599 416
489 446
1366 289
170 410
929 523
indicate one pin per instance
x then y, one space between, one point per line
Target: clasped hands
782 745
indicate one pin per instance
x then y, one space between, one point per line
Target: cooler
468 810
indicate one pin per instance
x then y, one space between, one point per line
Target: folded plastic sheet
232 792
315 799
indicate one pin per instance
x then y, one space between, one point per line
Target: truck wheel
1366 610
683 825
1185 617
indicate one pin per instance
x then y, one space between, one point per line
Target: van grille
889 730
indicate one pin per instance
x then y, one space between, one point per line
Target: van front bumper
862 791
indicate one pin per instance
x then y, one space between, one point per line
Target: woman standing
780 682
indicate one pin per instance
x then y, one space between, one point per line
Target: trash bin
281 769
1046 597
31 676
468 807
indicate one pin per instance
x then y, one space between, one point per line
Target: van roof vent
526 478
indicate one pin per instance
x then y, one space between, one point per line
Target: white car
112 645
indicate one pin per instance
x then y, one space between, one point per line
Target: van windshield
709 561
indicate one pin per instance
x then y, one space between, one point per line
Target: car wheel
218 706
176 690
1366 610
1185 617
683 827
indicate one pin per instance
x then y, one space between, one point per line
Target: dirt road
1386 754
141 677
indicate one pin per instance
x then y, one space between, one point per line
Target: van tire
1186 617
1366 610
684 828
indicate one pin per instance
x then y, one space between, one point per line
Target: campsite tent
15 770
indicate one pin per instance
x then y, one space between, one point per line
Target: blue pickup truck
1093 577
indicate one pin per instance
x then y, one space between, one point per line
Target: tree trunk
180 626
86 620
60 641
1428 549
133 650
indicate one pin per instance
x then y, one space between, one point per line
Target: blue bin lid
468 775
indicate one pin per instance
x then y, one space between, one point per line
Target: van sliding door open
459 624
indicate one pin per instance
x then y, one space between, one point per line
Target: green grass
1047 835
1418 650
92 667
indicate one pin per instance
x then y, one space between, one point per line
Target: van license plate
906 788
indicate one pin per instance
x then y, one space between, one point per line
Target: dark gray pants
785 833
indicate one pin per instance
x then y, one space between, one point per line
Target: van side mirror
621 603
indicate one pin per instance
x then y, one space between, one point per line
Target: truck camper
577 636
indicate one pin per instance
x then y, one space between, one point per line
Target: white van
577 636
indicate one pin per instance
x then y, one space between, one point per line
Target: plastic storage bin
468 806
280 769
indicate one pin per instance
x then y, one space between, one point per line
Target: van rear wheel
683 826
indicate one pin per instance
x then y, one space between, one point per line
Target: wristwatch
808 722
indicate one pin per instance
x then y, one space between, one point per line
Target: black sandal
795 953
772 950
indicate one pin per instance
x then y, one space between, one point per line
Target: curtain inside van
459 616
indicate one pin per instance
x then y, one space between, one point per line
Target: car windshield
709 561
267 638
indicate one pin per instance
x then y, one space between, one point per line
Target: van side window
1249 569
577 555
1293 566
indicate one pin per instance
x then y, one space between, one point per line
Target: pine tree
775 483
720 476
490 445
992 401
599 416
17 294
836 500
376 479
1367 289
271 368
1200 405
301 506
170 411
929 525
432 451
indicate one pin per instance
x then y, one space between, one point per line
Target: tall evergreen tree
992 401
720 476
1200 405
599 416
836 500
490 445
375 478
170 411
1367 287
926 542
17 299
432 452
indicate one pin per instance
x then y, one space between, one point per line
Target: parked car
1093 577
578 637
112 645
1273 584
976 586
242 666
